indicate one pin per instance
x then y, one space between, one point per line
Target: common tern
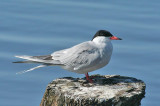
82 58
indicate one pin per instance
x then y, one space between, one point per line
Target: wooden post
108 90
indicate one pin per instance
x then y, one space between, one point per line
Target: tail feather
22 72
24 62
46 59
31 58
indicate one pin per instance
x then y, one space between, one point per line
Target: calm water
39 27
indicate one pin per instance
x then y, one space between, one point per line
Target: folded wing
79 57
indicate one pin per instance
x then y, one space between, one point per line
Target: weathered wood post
108 90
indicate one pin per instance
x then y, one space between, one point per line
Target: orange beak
115 38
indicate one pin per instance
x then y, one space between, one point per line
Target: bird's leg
87 77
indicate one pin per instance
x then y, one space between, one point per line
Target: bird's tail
22 72
45 60
34 59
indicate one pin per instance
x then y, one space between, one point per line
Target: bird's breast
106 53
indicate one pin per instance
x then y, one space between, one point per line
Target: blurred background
40 27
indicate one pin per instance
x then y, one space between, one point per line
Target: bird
82 58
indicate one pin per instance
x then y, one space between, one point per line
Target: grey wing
79 57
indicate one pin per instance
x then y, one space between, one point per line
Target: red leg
87 77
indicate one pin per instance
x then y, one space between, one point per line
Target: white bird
82 58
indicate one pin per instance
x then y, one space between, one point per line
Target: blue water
39 27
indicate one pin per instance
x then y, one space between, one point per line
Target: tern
81 58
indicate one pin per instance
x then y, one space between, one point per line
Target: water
39 27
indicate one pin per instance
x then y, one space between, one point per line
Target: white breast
105 48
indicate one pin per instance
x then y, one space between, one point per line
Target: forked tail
45 60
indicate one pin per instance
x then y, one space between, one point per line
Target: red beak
115 38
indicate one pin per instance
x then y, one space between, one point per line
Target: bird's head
105 33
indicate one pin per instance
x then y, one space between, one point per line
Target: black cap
102 33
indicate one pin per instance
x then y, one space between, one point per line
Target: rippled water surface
39 27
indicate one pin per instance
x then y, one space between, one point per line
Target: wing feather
79 56
44 59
